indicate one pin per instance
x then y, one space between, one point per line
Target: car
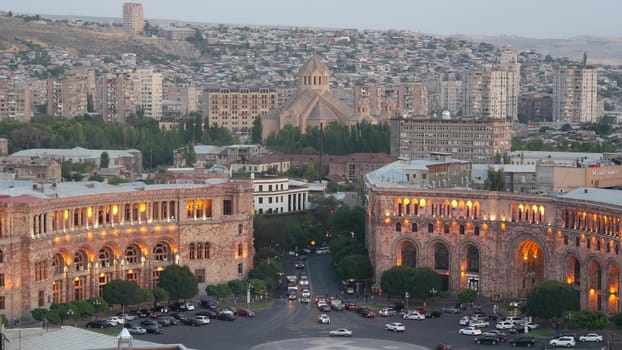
305 300
443 346
351 306
325 308
322 250
513 319
100 324
487 339
178 316
500 335
208 304
163 321
304 280
136 329
305 293
479 324
421 310
203 319
414 316
127 316
395 327
153 329
517 303
349 290
566 341
449 309
142 313
174 321
517 330
299 265
194 321
115 320
397 306
504 325
324 319
245 313
470 331
190 306
146 323
292 296
464 321
386 312
523 341
341 332
532 325
368 314
593 337
226 316
433 314
209 313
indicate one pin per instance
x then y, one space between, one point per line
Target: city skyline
528 18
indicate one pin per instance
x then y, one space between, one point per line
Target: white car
115 320
395 327
127 317
566 341
341 332
594 337
322 250
414 316
470 331
464 321
479 324
305 293
135 329
504 325
324 319
190 306
386 312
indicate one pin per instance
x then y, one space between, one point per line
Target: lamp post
248 295
96 303
70 313
433 292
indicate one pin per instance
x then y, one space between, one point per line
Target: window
227 207
413 227
2 302
206 248
240 229
430 228
565 239
398 227
41 298
598 245
1 256
240 269
191 256
260 188
240 250
588 243
476 230
260 200
200 274
269 200
199 251
160 252
446 228
461 229
577 241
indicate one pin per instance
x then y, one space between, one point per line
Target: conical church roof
314 66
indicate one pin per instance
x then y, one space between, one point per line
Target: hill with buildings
84 38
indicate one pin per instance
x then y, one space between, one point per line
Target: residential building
66 241
439 171
186 96
68 95
501 245
237 109
15 100
452 95
410 98
465 138
148 92
575 97
372 93
38 95
42 170
133 17
279 195
536 107
353 167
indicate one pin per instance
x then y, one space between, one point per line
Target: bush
617 319
39 314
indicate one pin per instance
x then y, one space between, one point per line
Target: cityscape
273 173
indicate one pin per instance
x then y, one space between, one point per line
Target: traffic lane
323 276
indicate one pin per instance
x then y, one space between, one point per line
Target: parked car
246 313
433 314
414 316
464 321
523 341
386 312
202 319
591 337
136 329
449 309
470 331
395 327
517 303
500 335
194 321
565 341
146 323
171 319
517 330
504 325
115 320
142 313
154 329
208 304
487 339
341 332
226 316
100 324
127 316
163 321
178 316
211 313
479 323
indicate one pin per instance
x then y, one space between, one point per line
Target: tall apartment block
575 95
411 99
14 100
452 95
236 109
148 92
466 138
186 96
67 96
492 91
109 96
133 17
372 94
38 95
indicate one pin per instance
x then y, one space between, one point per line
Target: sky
528 18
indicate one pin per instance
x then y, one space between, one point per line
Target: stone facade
500 244
66 241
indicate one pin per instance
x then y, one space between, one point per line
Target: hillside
83 41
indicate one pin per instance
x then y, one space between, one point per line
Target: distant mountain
600 50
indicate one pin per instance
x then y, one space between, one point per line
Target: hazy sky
532 18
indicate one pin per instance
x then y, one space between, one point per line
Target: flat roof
599 195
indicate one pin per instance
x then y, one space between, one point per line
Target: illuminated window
160 252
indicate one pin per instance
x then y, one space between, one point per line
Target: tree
587 319
565 128
397 280
179 282
237 287
258 287
218 290
467 296
495 180
123 293
160 294
355 267
257 130
104 160
425 280
551 299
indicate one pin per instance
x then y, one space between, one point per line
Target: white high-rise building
148 89
575 95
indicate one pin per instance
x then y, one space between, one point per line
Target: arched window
472 259
105 257
79 260
441 257
131 254
58 264
476 230
199 251
240 250
446 228
160 252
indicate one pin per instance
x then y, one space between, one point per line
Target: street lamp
433 292
96 303
70 313
248 295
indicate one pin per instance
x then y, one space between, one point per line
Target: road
291 325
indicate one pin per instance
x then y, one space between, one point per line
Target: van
514 319
203 319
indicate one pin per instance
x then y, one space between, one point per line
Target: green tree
256 132
159 295
566 127
355 267
104 160
218 290
587 319
237 287
425 279
551 299
39 314
123 293
495 180
467 296
397 280
258 287
179 282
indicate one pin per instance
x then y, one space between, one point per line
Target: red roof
23 198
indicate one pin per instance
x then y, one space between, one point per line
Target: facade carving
500 244
56 248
